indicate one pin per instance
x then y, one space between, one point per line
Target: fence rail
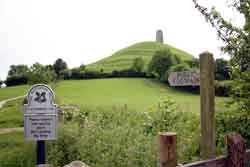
237 156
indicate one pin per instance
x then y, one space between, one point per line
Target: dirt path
11 99
10 130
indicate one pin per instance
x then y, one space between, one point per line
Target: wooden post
236 150
207 93
168 149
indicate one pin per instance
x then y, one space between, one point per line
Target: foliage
222 69
237 44
17 75
16 70
16 80
138 64
16 152
193 63
223 88
40 74
123 137
78 73
232 121
59 65
161 62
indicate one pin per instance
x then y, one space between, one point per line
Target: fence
237 156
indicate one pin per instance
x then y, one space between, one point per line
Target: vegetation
237 44
138 64
16 151
222 70
123 59
59 66
10 115
136 94
41 74
161 61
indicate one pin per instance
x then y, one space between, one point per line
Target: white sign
184 78
40 114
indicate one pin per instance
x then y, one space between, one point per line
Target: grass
11 115
138 94
15 151
113 111
14 91
123 59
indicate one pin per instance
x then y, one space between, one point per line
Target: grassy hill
123 58
138 94
10 92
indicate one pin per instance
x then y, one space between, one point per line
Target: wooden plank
184 78
207 95
168 149
218 162
215 162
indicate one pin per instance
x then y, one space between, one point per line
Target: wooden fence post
207 93
168 149
236 150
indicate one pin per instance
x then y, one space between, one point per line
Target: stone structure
76 164
159 36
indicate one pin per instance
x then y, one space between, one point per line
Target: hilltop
123 58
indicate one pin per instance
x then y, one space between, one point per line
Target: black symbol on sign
40 97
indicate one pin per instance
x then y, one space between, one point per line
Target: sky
84 31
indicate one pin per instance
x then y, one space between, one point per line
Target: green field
112 111
14 91
138 94
123 59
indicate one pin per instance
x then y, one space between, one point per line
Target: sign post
40 118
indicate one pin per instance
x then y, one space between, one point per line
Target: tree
161 62
138 64
236 43
41 74
59 66
18 70
222 69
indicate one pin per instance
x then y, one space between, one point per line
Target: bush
231 121
161 62
76 73
138 64
223 88
41 74
122 137
16 80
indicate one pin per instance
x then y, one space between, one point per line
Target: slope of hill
123 59
138 94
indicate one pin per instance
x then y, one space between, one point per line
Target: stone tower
159 36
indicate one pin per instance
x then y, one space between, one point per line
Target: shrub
41 74
122 137
161 62
16 80
138 64
223 88
231 121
